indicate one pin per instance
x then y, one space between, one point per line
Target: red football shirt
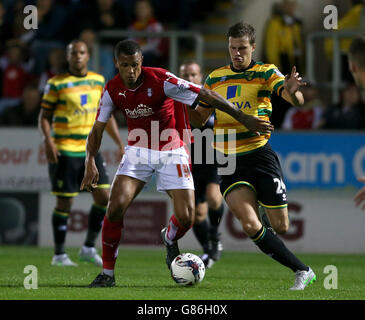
150 108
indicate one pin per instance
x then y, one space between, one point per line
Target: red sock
110 237
175 230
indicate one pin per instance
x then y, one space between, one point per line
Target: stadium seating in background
16 67
155 50
307 116
25 113
354 19
56 65
106 61
284 41
349 114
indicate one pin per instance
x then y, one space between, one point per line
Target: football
187 269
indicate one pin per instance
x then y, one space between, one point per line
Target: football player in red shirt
146 98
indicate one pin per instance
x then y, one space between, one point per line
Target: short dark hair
357 51
188 62
127 47
242 29
74 41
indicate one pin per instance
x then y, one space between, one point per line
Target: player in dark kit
208 198
258 178
146 97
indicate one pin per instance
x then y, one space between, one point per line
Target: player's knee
115 209
102 202
281 227
214 198
250 227
200 213
101 197
64 203
104 199
186 216
214 203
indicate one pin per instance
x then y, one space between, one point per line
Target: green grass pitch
141 274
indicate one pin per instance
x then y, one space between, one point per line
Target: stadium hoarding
19 218
142 223
23 162
320 160
320 171
320 222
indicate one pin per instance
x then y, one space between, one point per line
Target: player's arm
93 142
45 127
199 116
215 100
360 196
190 94
113 131
291 91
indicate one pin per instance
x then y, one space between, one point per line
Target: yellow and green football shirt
74 102
250 90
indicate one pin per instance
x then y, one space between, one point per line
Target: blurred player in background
69 107
208 198
258 177
145 97
356 58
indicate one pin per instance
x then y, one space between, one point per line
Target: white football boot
62 260
303 279
89 254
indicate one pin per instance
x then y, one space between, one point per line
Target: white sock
108 272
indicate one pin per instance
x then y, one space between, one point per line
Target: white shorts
171 167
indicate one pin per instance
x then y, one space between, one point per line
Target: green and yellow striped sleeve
274 79
50 96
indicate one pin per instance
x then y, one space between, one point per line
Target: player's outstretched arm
252 123
360 196
113 131
91 174
291 93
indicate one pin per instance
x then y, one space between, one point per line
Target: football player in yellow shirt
258 178
68 111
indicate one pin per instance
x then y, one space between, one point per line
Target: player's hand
52 153
91 177
360 196
293 81
255 124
